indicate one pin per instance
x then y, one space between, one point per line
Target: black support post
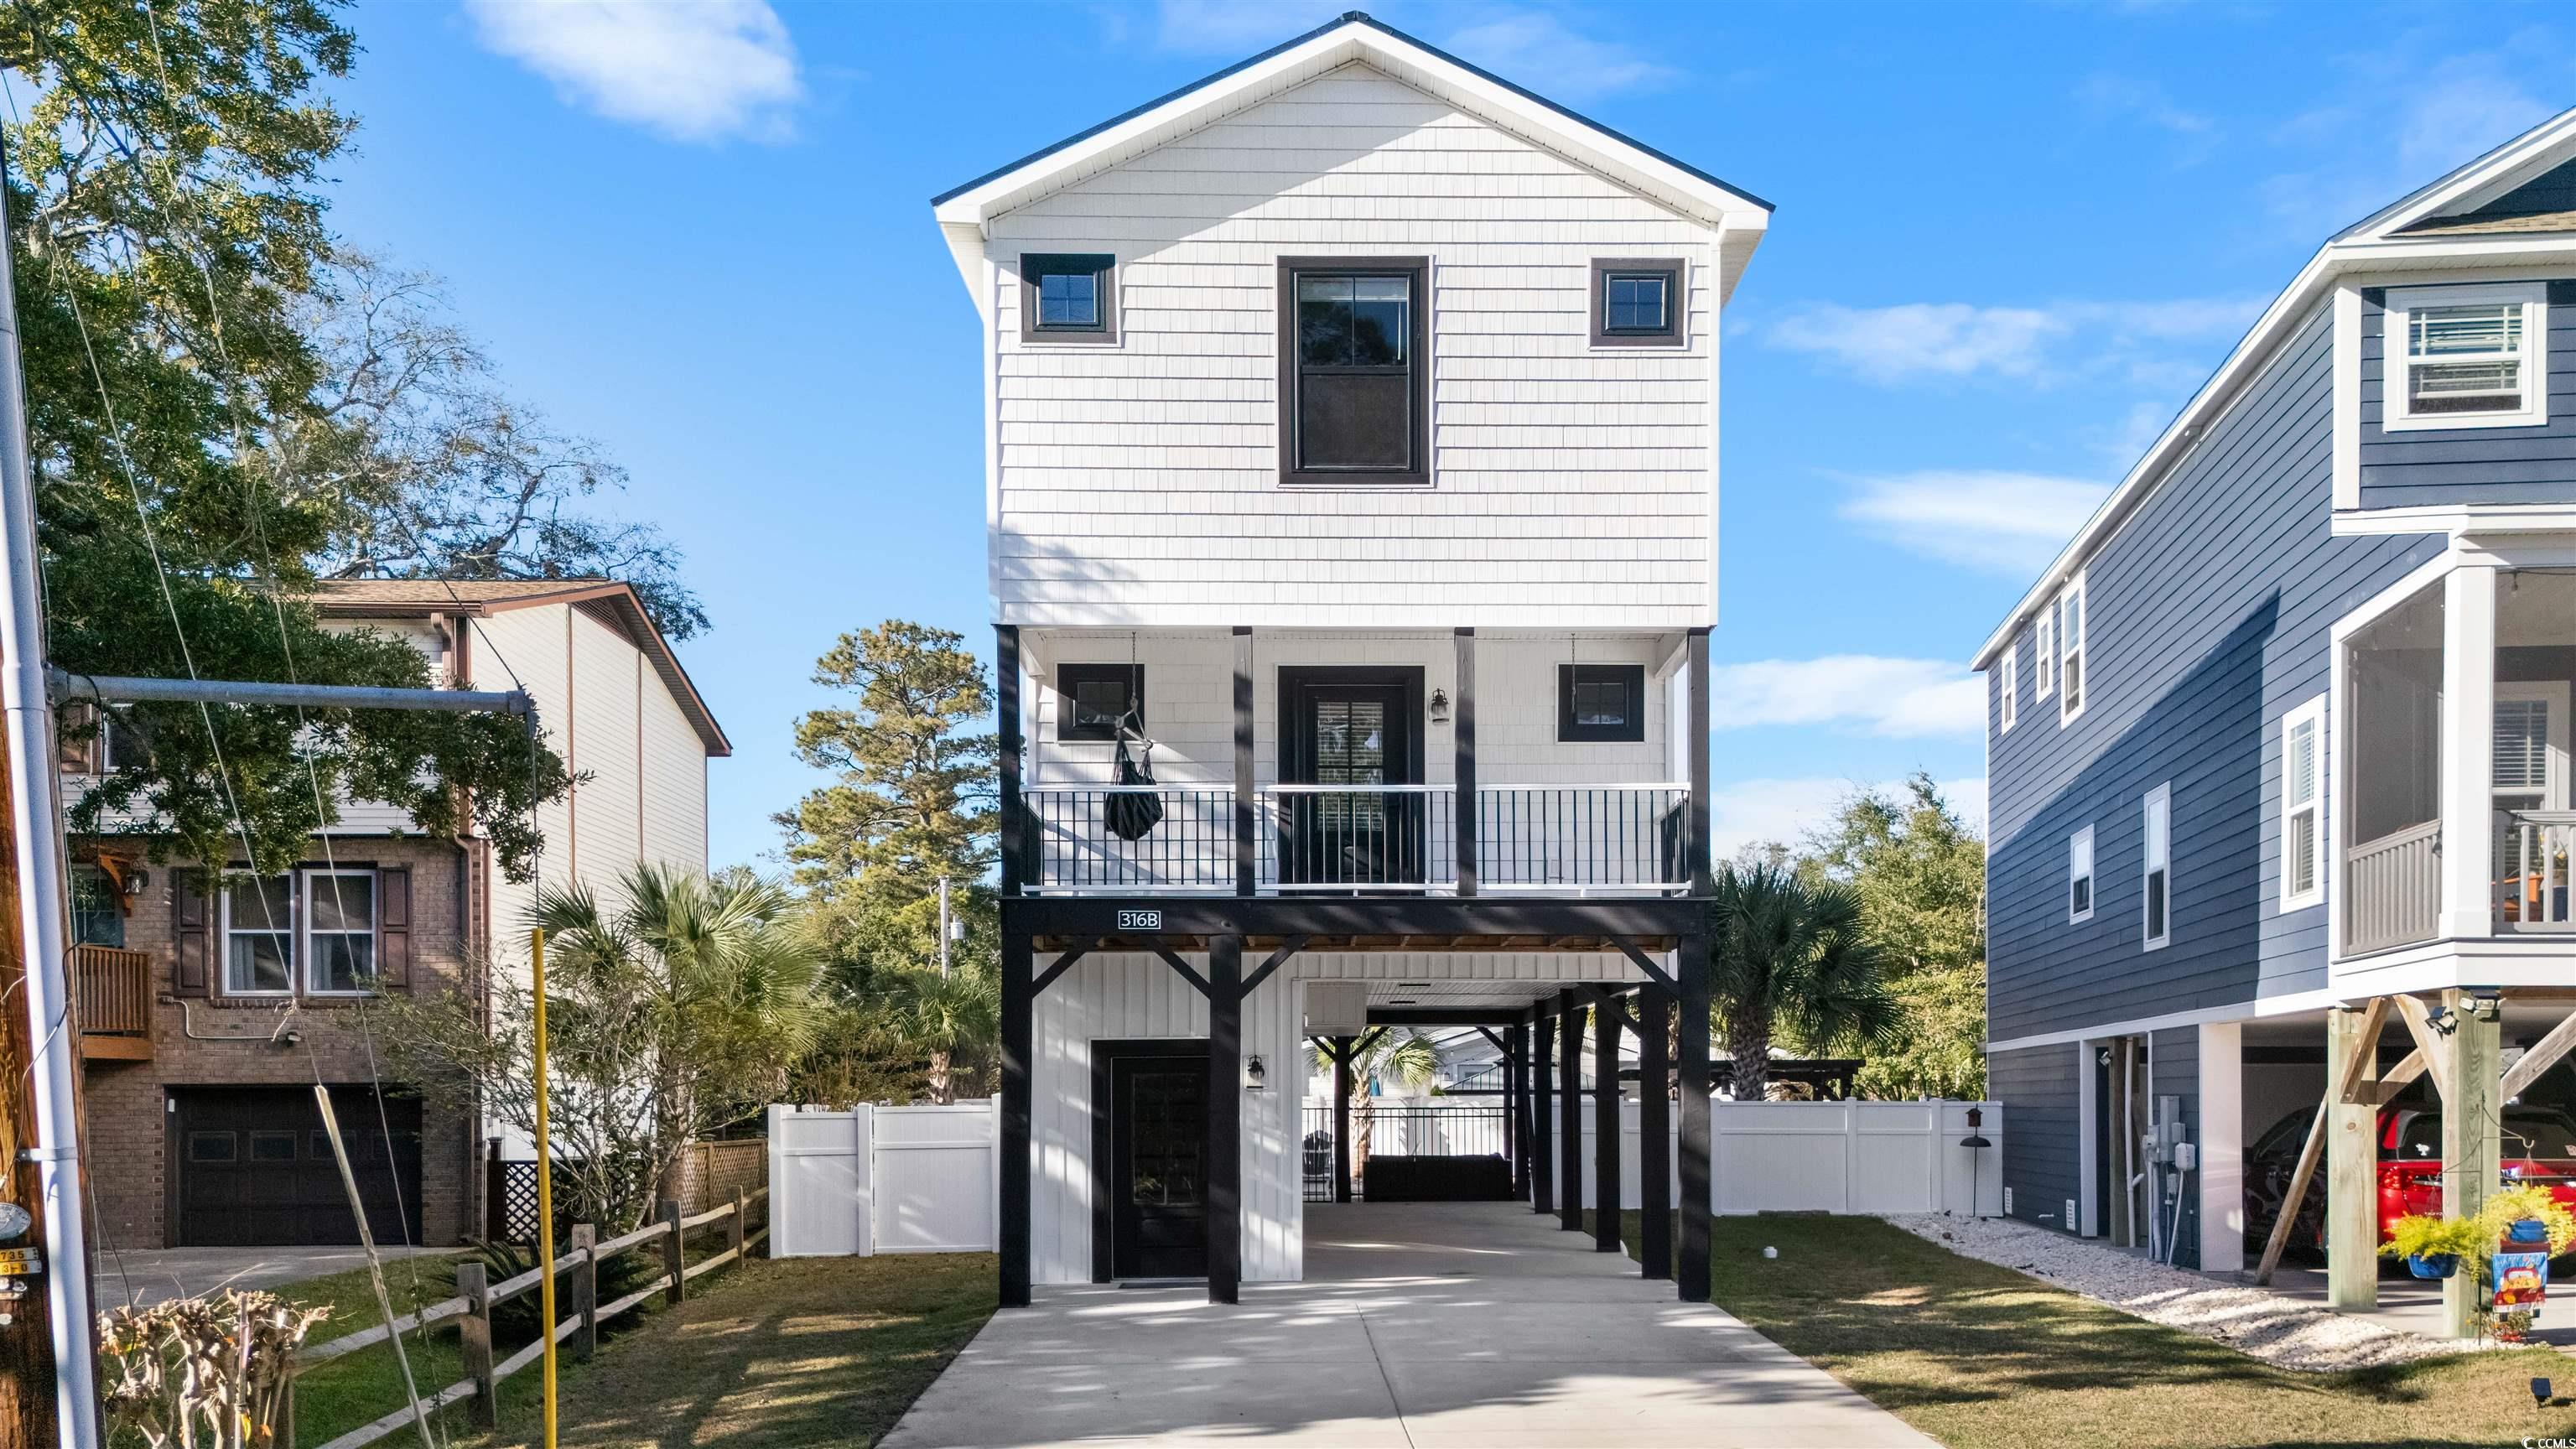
1542 1161
1516 1105
1246 851
1654 1133
1465 731
1701 883
1342 1049
1225 1118
1605 1126
1018 953
1006 682
1690 1267
1569 1087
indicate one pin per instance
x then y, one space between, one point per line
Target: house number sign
1140 920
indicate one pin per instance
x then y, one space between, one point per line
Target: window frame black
1069 675
1630 731
1103 268
1675 273
1417 272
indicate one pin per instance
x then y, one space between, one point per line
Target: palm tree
942 1018
716 983
1409 1062
1790 957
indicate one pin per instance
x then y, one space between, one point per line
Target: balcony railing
115 990
1335 839
2531 885
2393 889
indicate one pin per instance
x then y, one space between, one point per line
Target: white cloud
2010 523
2050 344
2442 112
694 70
1237 27
1755 812
1902 698
2119 95
1538 50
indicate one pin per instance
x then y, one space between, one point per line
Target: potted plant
2526 1216
2432 1245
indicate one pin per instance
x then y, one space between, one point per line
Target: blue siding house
2278 746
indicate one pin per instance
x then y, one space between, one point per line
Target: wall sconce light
1440 706
2485 1005
1254 1074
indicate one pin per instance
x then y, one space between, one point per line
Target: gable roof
614 603
964 210
2470 217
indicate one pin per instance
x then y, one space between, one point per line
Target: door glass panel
1167 1141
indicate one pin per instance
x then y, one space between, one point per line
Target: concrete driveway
1450 1324
145 1276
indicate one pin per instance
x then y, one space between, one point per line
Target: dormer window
1068 298
2467 357
1637 304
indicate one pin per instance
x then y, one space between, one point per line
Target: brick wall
208 1041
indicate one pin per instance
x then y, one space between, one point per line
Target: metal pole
122 689
545 1182
36 818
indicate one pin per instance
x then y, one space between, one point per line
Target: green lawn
340 1395
1981 1357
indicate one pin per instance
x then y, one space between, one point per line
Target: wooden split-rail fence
577 1297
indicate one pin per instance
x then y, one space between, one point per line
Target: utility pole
27 1419
943 928
52 1069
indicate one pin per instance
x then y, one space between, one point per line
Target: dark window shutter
393 929
191 916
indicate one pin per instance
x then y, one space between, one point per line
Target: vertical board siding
2469 465
1139 481
1118 996
2043 1153
2209 618
607 714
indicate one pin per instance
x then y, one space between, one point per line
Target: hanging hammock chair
1133 814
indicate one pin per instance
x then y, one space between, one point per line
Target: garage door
255 1168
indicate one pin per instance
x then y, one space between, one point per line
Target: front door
1158 1166
1348 735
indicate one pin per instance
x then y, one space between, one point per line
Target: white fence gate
1835 1157
883 1180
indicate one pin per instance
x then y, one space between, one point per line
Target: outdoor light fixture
1253 1073
1439 706
2540 1392
2439 1018
2486 1005
1976 1144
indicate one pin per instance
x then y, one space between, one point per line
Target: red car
2539 1143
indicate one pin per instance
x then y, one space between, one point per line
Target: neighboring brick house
207 1016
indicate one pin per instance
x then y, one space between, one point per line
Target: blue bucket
2437 1265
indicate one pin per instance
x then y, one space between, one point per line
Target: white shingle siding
1138 483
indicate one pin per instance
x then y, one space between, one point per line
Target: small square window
1068 298
1601 702
1092 698
1637 304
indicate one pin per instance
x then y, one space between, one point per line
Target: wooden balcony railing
2393 889
115 991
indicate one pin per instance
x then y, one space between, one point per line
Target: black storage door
253 1167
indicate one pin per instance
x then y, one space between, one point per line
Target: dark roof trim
1353 17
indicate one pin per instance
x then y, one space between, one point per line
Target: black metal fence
1409 1132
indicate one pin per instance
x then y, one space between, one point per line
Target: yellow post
545 1182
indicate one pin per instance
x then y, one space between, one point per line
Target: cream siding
1137 483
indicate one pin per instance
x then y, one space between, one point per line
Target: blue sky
2010 242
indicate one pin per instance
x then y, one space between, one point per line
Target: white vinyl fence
882 1180
1835 1157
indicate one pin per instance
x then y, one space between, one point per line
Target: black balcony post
1605 1125
1542 1161
1006 679
1690 1267
1515 1088
1654 1133
1465 728
1224 1191
1017 1096
1569 1065
1343 1047
1701 883
1246 852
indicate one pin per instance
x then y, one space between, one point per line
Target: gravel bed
2283 1332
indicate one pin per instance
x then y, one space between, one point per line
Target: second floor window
2303 805
2043 654
312 931
98 908
2071 680
2006 687
259 936
2157 820
2466 357
1354 396
2079 875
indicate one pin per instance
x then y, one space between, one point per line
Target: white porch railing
1331 839
2531 885
2393 889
